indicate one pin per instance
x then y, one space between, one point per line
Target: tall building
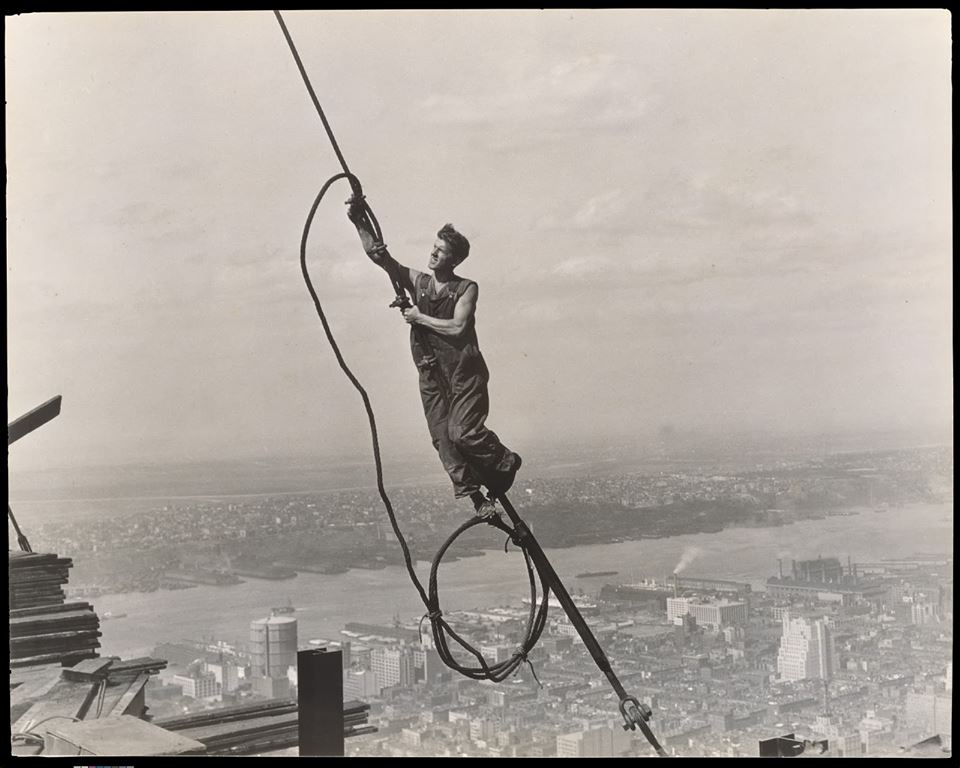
595 742
824 580
271 687
359 684
842 740
845 744
428 667
677 607
924 611
722 613
806 650
495 653
198 685
226 673
945 599
392 666
822 571
484 728
930 712
273 646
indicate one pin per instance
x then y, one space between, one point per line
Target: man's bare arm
462 315
378 255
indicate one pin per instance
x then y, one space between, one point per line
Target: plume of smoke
687 556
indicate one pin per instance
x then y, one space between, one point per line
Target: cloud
702 202
582 73
596 92
353 272
542 310
689 207
600 209
579 266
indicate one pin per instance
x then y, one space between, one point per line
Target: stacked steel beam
254 728
36 579
43 628
140 665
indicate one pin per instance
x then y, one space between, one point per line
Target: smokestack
793 567
676 585
780 567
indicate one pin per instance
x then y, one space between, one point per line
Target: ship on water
324 568
272 572
591 574
191 577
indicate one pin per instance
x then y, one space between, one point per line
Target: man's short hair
459 245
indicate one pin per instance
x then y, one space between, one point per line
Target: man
453 375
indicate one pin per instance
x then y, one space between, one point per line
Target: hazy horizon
683 222
317 473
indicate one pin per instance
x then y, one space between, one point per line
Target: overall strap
423 285
462 287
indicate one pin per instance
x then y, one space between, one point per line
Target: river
326 602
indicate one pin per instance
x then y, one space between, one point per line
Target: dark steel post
320 703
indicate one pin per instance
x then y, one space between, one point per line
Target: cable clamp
521 654
634 712
434 616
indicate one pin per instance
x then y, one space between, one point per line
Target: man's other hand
411 315
355 208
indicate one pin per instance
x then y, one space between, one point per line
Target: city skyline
688 221
767 582
883 697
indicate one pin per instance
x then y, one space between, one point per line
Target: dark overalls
454 392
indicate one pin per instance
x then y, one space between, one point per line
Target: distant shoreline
317 471
328 602
204 496
336 566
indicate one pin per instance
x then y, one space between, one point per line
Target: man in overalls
453 375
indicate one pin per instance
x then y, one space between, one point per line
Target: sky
709 221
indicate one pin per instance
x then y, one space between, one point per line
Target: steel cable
536 566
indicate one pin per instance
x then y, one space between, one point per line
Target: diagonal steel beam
34 419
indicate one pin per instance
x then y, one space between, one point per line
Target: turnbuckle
634 712
401 302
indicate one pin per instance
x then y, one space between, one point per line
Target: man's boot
485 508
502 481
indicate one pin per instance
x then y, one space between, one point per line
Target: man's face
441 256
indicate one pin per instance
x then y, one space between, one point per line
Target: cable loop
532 670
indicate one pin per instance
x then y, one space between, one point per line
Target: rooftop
65 699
